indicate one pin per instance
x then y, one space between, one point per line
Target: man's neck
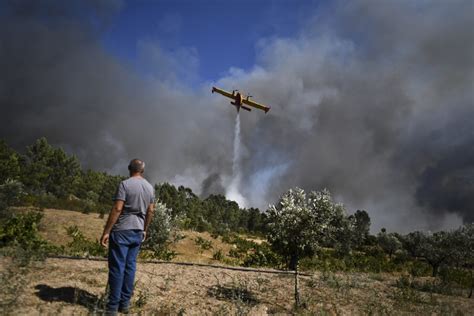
136 175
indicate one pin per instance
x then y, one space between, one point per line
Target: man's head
136 166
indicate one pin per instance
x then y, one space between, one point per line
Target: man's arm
149 216
113 217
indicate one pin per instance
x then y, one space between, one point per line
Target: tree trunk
293 262
435 270
297 293
472 285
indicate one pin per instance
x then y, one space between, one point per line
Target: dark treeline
50 178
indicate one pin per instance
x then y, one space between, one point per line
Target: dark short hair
136 165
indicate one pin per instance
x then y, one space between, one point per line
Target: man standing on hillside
124 232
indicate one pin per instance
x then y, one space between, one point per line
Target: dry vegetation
65 286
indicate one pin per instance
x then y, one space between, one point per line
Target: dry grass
54 223
188 251
66 287
62 286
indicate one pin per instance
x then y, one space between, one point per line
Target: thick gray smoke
372 100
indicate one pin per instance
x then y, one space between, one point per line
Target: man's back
137 194
124 232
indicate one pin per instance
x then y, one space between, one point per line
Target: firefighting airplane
240 100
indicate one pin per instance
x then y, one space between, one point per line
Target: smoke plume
372 100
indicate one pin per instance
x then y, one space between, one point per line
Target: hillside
66 286
55 222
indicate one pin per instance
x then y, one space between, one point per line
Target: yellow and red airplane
240 100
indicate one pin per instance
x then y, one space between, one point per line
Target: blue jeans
123 250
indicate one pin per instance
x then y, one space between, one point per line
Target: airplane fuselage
239 100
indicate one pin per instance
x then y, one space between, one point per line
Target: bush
21 229
204 244
81 246
234 253
263 256
19 238
161 232
218 255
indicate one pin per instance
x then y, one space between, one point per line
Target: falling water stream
232 192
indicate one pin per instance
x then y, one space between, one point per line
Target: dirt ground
77 287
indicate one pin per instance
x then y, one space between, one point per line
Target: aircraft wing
223 92
256 105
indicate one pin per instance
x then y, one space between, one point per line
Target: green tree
361 227
463 254
109 188
10 163
344 236
388 242
90 181
49 169
160 231
11 192
435 248
299 224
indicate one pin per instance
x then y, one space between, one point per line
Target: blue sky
222 33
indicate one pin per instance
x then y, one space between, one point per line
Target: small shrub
417 268
204 244
142 299
218 255
19 238
234 253
81 246
227 238
160 254
263 256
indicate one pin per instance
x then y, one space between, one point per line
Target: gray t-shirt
138 194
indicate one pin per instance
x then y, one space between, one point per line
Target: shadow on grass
68 294
232 293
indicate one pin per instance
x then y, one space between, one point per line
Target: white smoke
233 189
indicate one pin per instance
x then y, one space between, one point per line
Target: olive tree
435 248
463 253
160 231
300 223
389 242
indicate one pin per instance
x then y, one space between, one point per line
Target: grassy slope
54 223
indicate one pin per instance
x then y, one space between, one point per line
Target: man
124 232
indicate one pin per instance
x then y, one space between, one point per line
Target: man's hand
104 240
144 236
113 217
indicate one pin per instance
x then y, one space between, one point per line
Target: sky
220 34
371 99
